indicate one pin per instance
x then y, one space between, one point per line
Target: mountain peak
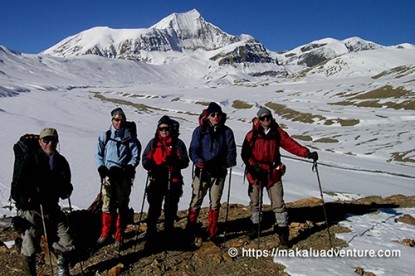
179 20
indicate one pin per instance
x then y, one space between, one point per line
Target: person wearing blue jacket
213 151
118 155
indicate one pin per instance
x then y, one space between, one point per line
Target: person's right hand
103 171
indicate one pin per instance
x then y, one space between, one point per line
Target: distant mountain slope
322 50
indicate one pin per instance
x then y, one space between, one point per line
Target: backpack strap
130 129
107 137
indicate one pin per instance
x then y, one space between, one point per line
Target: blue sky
31 26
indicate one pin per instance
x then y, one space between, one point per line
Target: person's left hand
130 171
313 155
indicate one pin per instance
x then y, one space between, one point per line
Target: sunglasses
215 114
265 117
164 129
50 140
117 120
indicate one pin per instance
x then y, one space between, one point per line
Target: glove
116 173
170 160
103 171
257 169
313 155
200 164
67 191
130 171
150 165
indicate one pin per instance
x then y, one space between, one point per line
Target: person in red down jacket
261 155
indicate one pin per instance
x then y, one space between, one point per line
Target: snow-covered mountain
322 50
177 33
221 58
189 32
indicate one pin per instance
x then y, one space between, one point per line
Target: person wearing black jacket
42 178
164 158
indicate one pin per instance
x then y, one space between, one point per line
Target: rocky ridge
174 257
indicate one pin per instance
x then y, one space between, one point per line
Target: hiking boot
29 265
193 235
63 265
102 240
253 232
283 234
168 227
191 231
119 245
150 244
213 229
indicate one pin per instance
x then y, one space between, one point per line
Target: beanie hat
48 132
263 111
165 120
118 111
213 107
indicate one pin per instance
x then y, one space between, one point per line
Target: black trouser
158 191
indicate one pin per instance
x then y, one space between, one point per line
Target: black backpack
175 126
26 145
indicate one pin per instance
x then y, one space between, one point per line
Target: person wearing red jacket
164 158
261 155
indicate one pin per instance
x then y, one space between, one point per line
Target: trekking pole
144 198
102 185
70 204
227 204
260 214
167 214
314 168
168 192
80 262
200 184
142 209
46 237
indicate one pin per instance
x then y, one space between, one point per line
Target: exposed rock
362 272
116 270
406 219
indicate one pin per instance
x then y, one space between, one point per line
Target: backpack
26 145
175 126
